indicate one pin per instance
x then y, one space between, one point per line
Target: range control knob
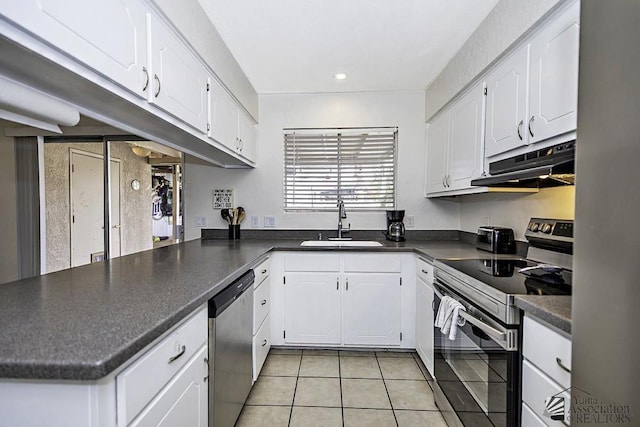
546 228
534 226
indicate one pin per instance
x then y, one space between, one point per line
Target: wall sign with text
222 199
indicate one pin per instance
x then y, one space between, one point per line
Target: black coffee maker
395 226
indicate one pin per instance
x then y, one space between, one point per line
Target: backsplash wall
514 211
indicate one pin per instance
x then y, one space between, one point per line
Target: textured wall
503 26
8 226
134 205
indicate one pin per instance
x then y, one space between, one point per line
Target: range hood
547 167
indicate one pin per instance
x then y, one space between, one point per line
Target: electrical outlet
201 221
269 221
408 221
255 221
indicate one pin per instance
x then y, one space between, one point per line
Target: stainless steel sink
338 243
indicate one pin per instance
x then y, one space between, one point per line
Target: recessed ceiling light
340 76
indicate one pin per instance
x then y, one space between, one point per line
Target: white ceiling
296 46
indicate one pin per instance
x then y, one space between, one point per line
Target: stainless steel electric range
478 374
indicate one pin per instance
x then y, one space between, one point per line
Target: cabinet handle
241 144
448 180
157 79
264 343
520 129
347 284
338 283
444 181
146 81
264 271
263 302
562 366
177 356
206 362
424 271
530 128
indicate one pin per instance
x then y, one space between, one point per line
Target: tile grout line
341 397
295 389
384 382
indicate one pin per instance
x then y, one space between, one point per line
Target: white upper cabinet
533 95
178 82
507 104
553 98
454 145
229 125
109 36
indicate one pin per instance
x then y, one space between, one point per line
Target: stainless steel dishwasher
230 340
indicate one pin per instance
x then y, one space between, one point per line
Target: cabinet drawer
184 400
373 263
536 387
262 271
542 346
140 382
529 419
424 271
261 303
311 262
261 346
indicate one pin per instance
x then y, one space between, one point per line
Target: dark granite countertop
554 310
83 323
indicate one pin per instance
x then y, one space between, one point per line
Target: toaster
498 240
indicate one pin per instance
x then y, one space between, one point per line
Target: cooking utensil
225 215
234 217
241 214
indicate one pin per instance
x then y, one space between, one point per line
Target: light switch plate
255 221
269 221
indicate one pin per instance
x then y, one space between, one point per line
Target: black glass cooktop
504 275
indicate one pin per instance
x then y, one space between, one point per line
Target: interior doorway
166 204
86 213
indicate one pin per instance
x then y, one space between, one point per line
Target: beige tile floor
341 388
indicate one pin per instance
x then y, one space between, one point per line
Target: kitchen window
355 165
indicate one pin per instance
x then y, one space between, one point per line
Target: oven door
477 375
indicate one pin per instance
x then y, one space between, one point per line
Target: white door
179 80
437 145
87 201
424 324
247 132
372 313
312 308
507 104
553 106
223 116
109 36
465 143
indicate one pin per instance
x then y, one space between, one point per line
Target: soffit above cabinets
294 46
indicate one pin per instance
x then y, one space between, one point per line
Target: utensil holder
234 231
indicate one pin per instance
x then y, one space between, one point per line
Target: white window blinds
355 165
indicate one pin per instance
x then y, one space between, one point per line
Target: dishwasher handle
229 294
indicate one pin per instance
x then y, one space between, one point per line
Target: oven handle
499 336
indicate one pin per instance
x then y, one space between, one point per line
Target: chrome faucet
342 214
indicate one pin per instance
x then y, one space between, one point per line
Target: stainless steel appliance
478 375
498 240
230 340
544 167
395 227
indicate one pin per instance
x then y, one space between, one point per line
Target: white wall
8 224
259 191
514 210
504 25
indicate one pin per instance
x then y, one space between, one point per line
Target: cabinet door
312 308
247 133
372 309
109 36
507 103
553 106
179 81
465 142
437 144
424 324
223 117
184 401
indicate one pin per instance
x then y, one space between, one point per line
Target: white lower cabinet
312 308
546 372
372 311
261 346
424 313
261 324
184 400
